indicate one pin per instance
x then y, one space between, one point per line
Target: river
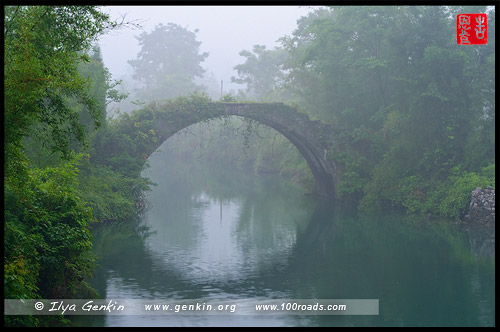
230 236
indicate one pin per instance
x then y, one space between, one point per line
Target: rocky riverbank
482 207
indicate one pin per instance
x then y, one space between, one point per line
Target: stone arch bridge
312 138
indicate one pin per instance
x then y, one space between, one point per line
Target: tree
411 108
47 242
43 49
168 62
261 71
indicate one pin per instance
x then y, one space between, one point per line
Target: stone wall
482 207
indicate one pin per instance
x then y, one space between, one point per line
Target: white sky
223 30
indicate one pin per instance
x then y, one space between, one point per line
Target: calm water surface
221 235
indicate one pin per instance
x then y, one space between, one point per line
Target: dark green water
222 235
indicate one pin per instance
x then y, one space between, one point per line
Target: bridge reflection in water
275 244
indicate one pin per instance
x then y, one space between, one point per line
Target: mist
223 31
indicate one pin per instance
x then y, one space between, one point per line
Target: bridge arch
311 138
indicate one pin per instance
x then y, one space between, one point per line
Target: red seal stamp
472 29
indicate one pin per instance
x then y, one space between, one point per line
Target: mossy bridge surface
312 138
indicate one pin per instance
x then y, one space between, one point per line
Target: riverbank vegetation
56 91
414 111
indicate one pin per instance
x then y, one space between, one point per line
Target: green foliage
47 242
352 180
261 72
413 194
102 88
127 142
51 220
55 96
449 198
112 196
454 197
111 179
381 189
408 105
227 98
62 218
43 47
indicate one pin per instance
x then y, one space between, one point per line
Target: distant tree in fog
261 71
168 63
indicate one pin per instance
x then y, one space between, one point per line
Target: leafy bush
449 198
112 196
47 241
455 196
